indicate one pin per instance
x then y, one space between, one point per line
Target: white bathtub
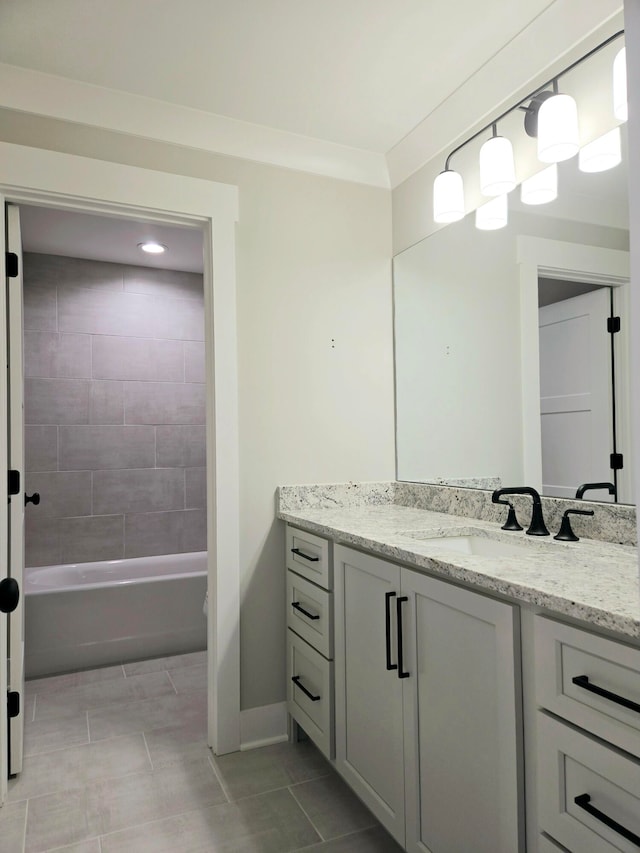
84 615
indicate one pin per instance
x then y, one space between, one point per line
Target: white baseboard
263 726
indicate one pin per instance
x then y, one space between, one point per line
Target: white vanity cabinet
588 753
427 706
310 636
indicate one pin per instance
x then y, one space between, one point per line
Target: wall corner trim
263 726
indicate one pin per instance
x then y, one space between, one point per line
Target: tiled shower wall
114 410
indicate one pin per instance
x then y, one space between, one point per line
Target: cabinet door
369 723
461 742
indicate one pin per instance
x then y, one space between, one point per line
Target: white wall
315 348
632 27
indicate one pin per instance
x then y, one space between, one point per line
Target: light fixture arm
553 81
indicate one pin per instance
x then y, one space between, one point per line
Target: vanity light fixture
540 188
558 133
603 153
552 117
448 197
152 248
620 108
497 166
493 214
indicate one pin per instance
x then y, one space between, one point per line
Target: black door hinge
613 325
13 704
11 264
616 462
13 484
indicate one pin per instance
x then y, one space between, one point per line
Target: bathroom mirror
482 392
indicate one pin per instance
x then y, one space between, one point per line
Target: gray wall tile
40 308
179 318
183 446
196 487
61 493
164 283
40 269
42 541
101 340
106 312
92 538
164 403
194 363
148 534
137 358
138 490
57 355
106 402
94 275
41 448
56 401
92 448
194 530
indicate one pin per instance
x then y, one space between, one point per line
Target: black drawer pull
296 606
296 681
584 801
401 672
305 556
387 624
583 681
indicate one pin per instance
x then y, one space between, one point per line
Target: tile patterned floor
116 761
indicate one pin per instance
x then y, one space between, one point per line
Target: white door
15 672
369 736
461 708
575 394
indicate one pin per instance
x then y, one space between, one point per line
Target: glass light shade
448 197
493 214
541 188
497 167
620 108
558 135
601 154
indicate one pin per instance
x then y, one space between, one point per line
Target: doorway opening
578 389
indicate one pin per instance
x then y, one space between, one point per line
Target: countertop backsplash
615 523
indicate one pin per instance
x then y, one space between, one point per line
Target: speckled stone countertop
593 581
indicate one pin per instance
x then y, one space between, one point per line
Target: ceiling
359 73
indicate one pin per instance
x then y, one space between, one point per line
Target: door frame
53 179
537 256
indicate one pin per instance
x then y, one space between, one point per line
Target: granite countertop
594 581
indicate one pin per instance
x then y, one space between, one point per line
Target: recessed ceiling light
152 248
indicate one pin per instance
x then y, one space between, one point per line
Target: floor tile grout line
156 820
322 838
338 838
273 790
218 775
148 752
166 672
24 832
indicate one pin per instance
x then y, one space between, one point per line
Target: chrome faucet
537 527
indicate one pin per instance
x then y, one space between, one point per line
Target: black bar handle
305 556
401 672
296 606
298 683
584 802
583 681
387 624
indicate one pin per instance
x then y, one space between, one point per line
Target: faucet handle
512 521
566 534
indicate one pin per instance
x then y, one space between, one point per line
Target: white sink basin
476 544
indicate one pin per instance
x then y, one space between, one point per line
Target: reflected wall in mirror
491 381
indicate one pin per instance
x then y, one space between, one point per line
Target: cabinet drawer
574 667
310 613
308 555
548 845
310 696
576 774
